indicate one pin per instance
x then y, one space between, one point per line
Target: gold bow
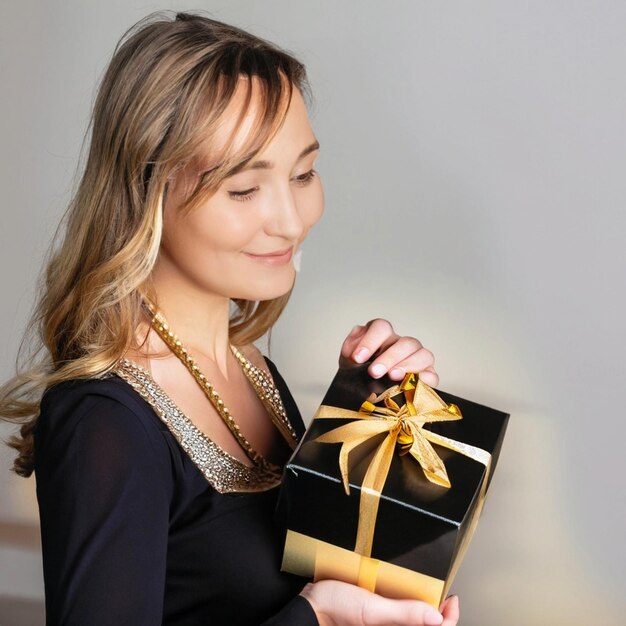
403 426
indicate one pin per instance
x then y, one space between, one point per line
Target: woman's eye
305 179
242 195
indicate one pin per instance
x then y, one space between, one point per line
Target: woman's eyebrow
268 165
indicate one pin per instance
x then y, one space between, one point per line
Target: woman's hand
341 604
396 355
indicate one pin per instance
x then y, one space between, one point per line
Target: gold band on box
403 426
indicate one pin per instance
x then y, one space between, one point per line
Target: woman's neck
199 320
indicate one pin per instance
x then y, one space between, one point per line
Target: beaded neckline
262 384
224 472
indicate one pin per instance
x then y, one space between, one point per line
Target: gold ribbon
403 426
310 557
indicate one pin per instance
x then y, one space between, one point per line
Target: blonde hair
161 97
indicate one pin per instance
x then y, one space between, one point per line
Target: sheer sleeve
111 481
104 499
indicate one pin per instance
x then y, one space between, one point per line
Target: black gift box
421 530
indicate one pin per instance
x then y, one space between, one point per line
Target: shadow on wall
21 611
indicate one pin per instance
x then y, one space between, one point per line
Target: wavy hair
160 98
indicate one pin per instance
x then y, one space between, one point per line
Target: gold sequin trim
223 471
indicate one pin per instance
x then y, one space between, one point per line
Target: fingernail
397 372
361 355
432 617
378 370
455 596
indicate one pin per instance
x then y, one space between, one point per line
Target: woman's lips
273 258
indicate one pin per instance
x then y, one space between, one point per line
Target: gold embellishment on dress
223 471
270 396
262 384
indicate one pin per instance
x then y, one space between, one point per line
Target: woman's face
240 242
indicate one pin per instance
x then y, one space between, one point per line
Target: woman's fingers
363 341
338 603
379 610
376 333
395 355
351 342
429 376
407 354
450 611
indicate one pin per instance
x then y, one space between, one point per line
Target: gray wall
473 161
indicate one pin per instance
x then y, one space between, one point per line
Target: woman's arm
104 506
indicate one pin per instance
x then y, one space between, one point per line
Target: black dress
134 531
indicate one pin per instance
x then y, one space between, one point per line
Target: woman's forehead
239 123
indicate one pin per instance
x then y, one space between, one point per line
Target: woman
156 487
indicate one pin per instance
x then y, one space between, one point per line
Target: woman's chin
270 290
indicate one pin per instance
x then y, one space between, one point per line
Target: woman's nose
285 220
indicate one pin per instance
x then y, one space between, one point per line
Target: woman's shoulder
263 362
255 356
66 396
98 418
106 403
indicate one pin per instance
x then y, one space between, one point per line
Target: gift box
386 486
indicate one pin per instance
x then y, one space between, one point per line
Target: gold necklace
261 382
